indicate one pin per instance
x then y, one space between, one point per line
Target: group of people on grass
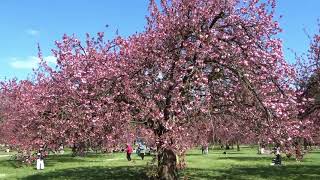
141 151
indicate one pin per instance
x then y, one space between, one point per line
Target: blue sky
23 24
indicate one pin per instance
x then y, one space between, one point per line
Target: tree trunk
305 144
298 149
167 167
259 148
298 152
238 146
78 150
227 147
74 150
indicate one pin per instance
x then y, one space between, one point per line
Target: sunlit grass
245 164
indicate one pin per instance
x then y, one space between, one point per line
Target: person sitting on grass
129 152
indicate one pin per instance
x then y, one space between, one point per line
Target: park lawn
245 164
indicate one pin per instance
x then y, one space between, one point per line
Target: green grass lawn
242 165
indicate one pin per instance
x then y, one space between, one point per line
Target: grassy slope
245 164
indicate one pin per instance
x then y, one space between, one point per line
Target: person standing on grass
204 149
142 150
40 160
277 160
129 152
278 155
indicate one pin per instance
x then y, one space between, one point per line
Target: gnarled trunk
167 167
298 149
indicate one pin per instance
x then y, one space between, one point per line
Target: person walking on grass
142 150
129 152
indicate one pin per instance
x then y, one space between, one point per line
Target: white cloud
32 32
50 59
30 62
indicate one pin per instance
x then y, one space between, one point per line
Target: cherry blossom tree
71 104
308 87
200 67
200 60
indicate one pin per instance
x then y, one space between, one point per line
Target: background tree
308 83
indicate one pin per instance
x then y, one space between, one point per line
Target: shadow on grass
228 152
258 158
10 163
315 152
93 173
294 172
53 159
196 154
264 158
214 152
